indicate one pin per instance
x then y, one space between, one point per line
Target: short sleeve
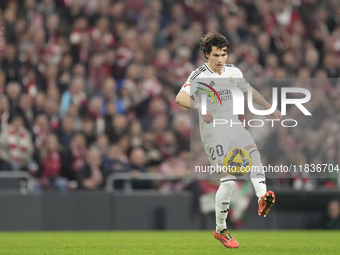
187 86
242 83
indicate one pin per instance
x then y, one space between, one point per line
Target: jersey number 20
219 151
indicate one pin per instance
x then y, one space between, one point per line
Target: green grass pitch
168 242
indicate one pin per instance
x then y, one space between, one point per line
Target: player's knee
228 179
226 188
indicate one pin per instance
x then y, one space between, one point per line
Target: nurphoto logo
238 104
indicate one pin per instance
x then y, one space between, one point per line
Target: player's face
217 59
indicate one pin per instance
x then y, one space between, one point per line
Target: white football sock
257 175
222 201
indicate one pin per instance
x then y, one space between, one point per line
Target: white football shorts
216 150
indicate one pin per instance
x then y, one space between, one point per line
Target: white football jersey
204 81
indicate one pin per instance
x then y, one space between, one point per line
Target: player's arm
259 99
244 85
183 98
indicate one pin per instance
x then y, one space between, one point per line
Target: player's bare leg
265 199
222 201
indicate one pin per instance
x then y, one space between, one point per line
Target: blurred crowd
87 87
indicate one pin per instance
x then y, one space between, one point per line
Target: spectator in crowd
136 134
137 165
51 108
88 129
11 64
118 128
159 126
94 111
102 143
79 70
66 131
75 95
169 146
50 173
173 167
25 110
90 176
40 132
111 111
75 155
108 93
40 103
13 91
17 145
153 154
124 143
332 221
116 162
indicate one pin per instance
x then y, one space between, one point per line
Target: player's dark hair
213 39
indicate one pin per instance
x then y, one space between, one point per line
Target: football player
219 139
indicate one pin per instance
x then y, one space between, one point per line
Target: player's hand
276 115
208 118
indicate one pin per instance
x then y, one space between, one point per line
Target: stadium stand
88 87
